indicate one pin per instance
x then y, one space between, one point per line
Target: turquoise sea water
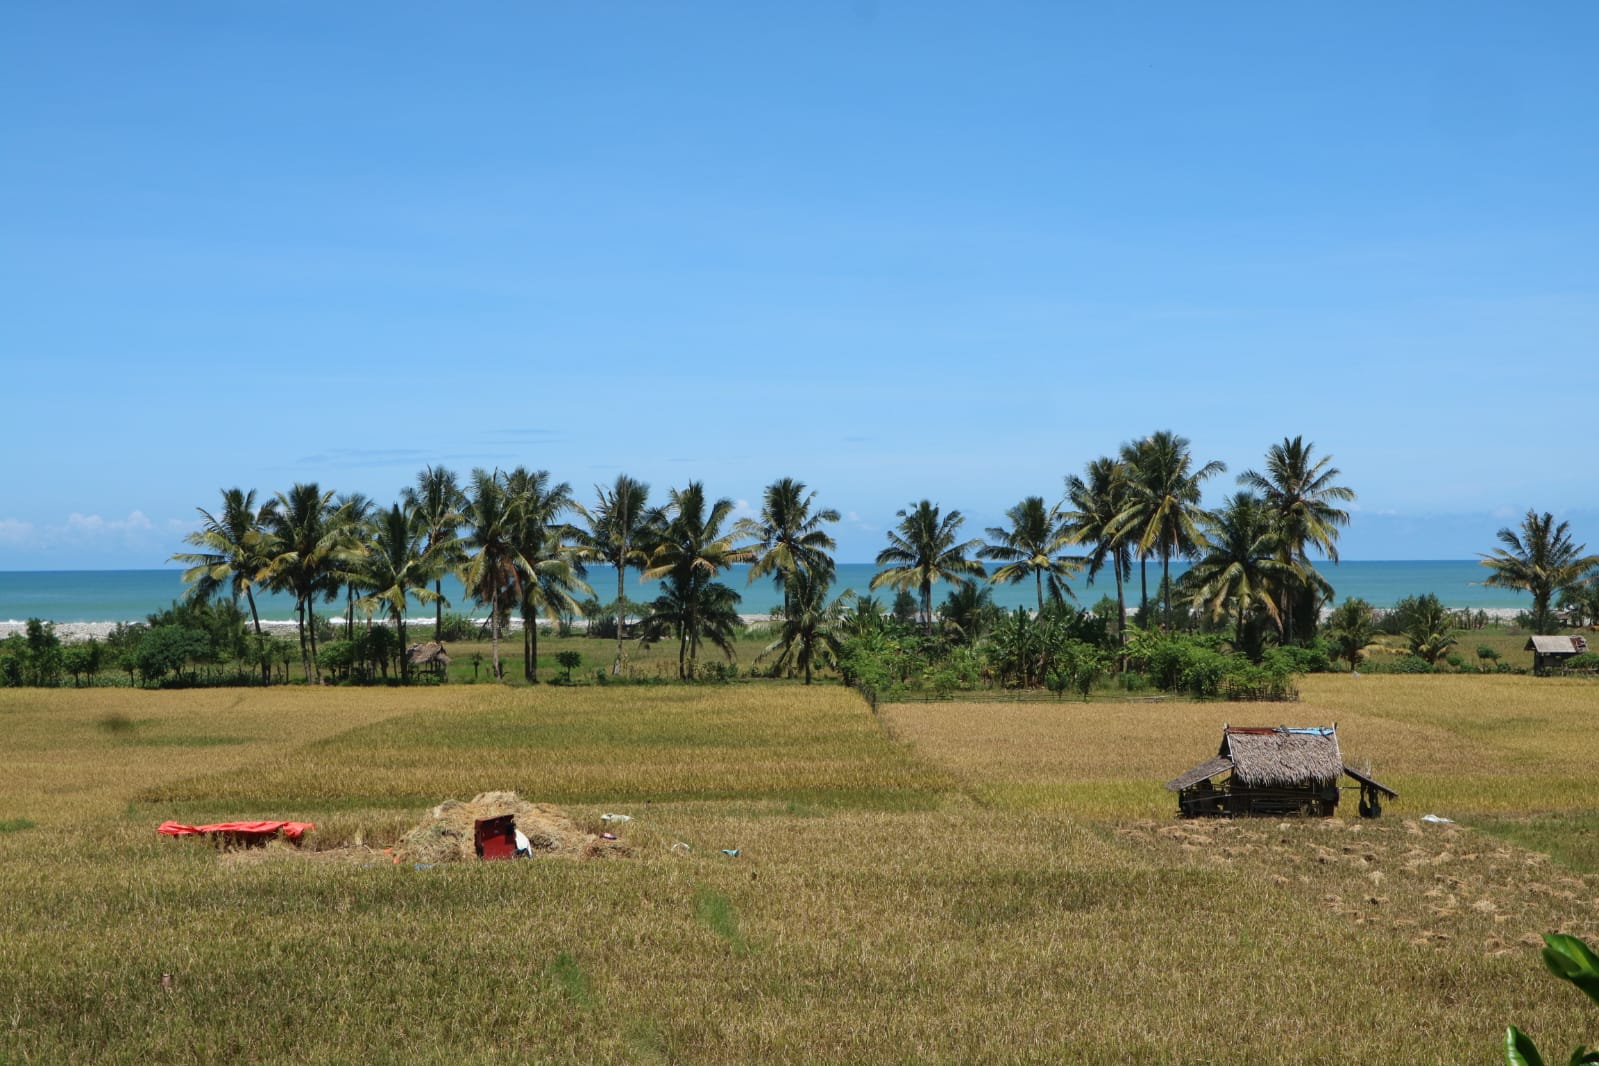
130 595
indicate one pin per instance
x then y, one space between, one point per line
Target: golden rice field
949 882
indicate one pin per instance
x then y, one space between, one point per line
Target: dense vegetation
1245 618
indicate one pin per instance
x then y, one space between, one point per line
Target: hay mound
446 834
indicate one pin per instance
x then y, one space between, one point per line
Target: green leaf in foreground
1520 1050
1571 959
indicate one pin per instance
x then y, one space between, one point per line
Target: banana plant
1569 959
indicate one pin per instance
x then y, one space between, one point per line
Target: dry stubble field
981 882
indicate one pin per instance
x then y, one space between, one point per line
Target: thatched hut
430 657
1273 770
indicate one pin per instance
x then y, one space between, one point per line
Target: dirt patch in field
446 834
1434 884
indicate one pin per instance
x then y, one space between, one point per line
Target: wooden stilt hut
1274 770
430 657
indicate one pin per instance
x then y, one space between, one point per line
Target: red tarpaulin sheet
292 830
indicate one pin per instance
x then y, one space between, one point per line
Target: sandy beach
70 632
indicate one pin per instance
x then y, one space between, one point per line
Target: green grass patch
1571 838
16 825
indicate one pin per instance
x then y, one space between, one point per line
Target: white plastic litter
682 845
1437 820
523 845
618 818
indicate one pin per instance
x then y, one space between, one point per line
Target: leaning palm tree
306 538
1542 560
1098 499
692 549
396 567
615 535
493 569
1032 547
925 548
435 503
812 632
235 554
1300 493
1163 512
788 536
1239 570
552 581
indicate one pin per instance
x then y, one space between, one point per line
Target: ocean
130 595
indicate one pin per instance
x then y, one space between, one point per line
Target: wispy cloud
366 457
14 531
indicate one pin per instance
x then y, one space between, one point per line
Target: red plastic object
495 838
242 831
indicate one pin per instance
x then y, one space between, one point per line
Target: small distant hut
1273 770
1550 652
430 658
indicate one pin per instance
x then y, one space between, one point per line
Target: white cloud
15 531
93 525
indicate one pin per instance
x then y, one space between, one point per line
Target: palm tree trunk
1143 585
1038 577
494 631
1165 584
621 588
260 646
405 658
438 609
316 667
532 626
299 614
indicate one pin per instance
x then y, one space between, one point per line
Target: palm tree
493 568
693 611
1163 512
924 549
1300 493
306 539
967 613
1541 560
435 503
1099 498
788 537
615 535
355 517
1351 628
235 554
812 633
690 552
396 566
552 576
1030 548
1239 569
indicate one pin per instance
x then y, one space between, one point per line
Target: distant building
1548 652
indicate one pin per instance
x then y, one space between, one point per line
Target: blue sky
940 250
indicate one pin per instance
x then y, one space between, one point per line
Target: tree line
520 543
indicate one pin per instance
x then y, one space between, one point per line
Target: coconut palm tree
1542 560
616 535
690 551
1163 513
307 536
354 511
1301 493
1239 568
1031 547
552 580
435 503
396 567
236 553
788 536
1098 499
925 548
693 611
812 633
493 568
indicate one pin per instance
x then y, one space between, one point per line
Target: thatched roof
429 654
1276 757
1281 757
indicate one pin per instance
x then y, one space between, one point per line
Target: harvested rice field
796 880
